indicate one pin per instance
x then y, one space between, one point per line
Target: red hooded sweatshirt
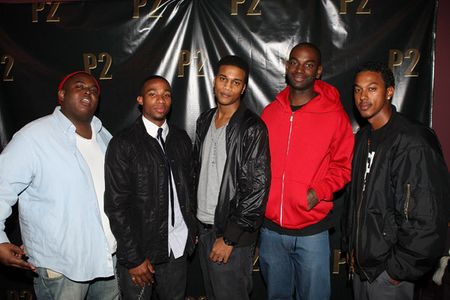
309 148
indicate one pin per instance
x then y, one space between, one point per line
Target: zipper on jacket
291 119
407 198
358 216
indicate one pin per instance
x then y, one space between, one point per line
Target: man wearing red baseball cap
54 168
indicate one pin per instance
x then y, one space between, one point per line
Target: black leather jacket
136 189
246 177
399 222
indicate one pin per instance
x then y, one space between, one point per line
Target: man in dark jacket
231 157
147 199
399 194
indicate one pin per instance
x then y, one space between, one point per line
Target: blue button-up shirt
58 209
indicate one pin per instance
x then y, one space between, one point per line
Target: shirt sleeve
339 168
17 165
421 183
118 200
253 184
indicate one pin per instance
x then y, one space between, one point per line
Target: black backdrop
122 42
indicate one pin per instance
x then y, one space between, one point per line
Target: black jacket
136 192
399 222
246 177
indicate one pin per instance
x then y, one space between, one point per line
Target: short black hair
233 60
311 46
378 67
151 77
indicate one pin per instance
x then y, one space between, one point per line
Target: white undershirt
95 159
179 232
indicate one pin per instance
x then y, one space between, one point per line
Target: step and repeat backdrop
121 42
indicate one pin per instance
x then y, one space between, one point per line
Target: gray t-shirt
214 156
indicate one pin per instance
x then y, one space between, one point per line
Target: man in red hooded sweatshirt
311 144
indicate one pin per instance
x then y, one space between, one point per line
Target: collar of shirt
152 128
68 126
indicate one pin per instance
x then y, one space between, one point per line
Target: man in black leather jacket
399 194
232 174
147 199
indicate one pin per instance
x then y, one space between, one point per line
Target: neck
84 130
158 122
381 119
224 114
82 126
301 97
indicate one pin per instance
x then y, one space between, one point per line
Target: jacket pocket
390 228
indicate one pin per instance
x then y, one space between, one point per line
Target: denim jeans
170 281
232 280
49 285
381 288
295 265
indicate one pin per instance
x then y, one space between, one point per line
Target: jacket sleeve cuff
132 264
233 232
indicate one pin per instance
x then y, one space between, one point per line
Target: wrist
228 242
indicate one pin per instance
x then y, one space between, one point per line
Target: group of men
106 218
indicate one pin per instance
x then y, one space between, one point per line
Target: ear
243 89
61 94
140 100
390 92
319 72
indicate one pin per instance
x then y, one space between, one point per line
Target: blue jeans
59 287
297 265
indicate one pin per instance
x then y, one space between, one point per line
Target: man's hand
311 199
14 256
142 274
220 252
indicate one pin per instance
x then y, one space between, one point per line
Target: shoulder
270 108
126 136
179 134
204 116
39 129
249 121
413 134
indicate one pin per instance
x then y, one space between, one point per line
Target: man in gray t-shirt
232 172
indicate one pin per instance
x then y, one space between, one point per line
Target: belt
206 226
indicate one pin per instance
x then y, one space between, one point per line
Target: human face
303 68
156 100
372 98
229 85
79 98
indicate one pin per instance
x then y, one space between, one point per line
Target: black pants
232 280
170 281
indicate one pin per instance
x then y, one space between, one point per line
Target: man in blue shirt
54 168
